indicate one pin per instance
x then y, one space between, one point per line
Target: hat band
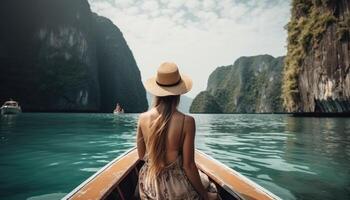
168 85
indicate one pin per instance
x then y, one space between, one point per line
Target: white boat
10 107
118 112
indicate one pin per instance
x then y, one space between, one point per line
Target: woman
165 140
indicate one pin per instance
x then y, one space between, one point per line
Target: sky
197 35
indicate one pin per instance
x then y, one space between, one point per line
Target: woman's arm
189 164
140 142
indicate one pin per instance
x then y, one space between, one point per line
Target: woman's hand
212 196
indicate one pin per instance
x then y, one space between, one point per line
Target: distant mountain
250 85
59 56
184 106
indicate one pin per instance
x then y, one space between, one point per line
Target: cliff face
250 85
204 102
46 50
118 72
50 58
317 68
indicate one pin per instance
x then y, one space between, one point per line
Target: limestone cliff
250 85
51 58
317 65
204 102
118 72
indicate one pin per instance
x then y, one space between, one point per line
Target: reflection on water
295 158
46 155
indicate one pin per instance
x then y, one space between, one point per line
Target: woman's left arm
140 142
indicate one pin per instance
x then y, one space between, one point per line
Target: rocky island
250 85
59 56
317 67
315 72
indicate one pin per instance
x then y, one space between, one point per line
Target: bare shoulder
144 116
190 123
189 119
141 116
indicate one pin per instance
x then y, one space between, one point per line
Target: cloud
198 35
150 5
208 4
192 4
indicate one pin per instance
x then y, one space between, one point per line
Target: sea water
46 155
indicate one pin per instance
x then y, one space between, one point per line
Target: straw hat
168 81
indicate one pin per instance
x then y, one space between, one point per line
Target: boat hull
118 113
10 110
118 180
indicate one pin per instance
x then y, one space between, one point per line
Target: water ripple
44 155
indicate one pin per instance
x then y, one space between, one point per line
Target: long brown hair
156 142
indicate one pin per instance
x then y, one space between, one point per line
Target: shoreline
306 114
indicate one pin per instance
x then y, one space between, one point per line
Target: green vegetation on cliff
309 22
205 103
250 85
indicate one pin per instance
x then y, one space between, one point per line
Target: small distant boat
118 109
118 180
10 107
118 112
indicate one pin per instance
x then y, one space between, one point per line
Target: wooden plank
104 182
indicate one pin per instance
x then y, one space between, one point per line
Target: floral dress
171 184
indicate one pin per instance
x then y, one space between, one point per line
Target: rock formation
250 85
55 56
204 102
317 65
120 79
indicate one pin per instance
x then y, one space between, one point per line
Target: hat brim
182 87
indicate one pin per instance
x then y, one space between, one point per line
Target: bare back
175 133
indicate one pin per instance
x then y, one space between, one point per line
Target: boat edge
244 178
76 189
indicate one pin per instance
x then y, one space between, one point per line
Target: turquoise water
45 156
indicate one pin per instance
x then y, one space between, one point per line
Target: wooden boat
118 180
10 107
118 110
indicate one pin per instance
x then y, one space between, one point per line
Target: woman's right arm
189 164
140 142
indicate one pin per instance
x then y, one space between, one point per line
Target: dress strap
181 133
